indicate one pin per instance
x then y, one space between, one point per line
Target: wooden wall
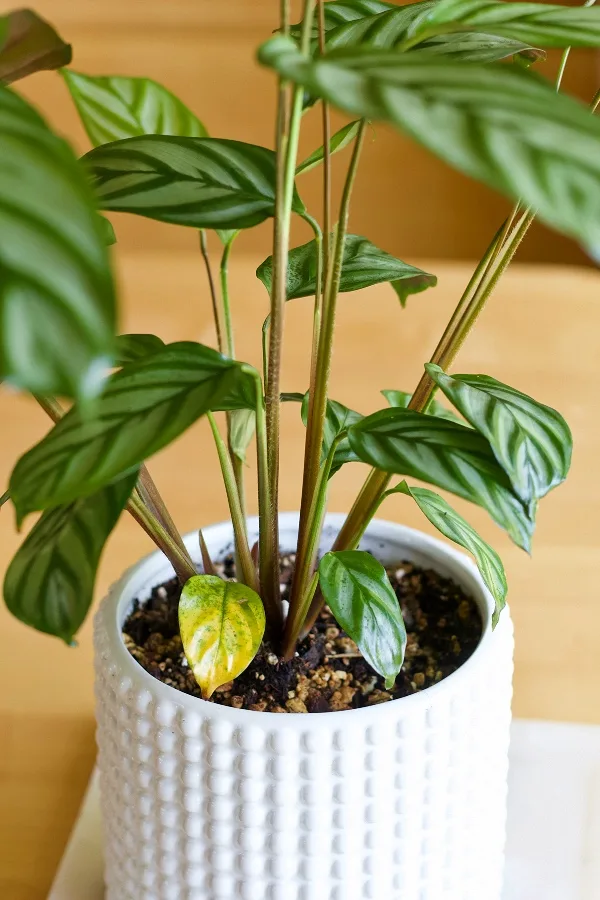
203 50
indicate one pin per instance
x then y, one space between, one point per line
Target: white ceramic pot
401 801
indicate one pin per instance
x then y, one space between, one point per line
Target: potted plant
386 654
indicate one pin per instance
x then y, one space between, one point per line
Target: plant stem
327 153
248 571
207 563
181 563
224 274
4 498
213 290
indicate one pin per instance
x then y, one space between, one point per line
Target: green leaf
108 231
117 107
457 529
340 140
360 596
242 425
500 124
401 399
57 303
222 625
199 182
144 407
364 265
339 12
338 418
446 454
537 23
133 347
29 44
50 582
532 442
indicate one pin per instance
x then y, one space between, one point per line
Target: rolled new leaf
444 453
118 107
198 182
531 441
57 301
143 408
364 265
358 591
457 529
29 44
339 141
242 425
500 124
49 584
222 625
133 347
402 399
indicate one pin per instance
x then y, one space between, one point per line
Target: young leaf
340 140
144 407
242 425
57 303
29 44
117 107
133 347
500 124
364 265
222 624
457 529
532 442
199 182
50 582
360 596
451 456
401 399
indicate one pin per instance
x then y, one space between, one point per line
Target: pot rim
155 568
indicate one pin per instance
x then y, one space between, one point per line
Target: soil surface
328 672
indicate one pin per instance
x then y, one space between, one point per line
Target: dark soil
328 673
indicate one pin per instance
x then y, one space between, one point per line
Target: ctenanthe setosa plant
458 77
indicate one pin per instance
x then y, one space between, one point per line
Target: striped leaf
222 625
364 265
50 582
500 124
402 399
358 591
199 182
133 347
532 442
29 44
453 526
117 107
144 407
446 454
537 23
340 12
57 303
340 140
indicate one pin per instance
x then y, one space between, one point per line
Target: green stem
213 290
151 496
224 274
4 498
184 568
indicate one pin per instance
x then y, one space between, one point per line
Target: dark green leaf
532 442
57 302
360 596
144 407
401 399
338 418
108 231
113 108
340 140
199 182
444 453
364 265
133 347
29 44
457 529
499 124
50 582
339 12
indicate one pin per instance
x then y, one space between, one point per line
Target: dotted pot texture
402 801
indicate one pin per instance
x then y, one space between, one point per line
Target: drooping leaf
364 265
446 454
50 582
242 425
401 399
537 23
199 182
222 625
133 347
500 124
143 408
532 442
117 107
339 141
358 591
457 529
29 44
57 303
